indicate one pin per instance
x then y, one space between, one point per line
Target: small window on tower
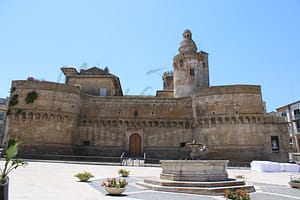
181 63
192 72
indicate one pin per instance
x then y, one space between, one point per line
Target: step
192 188
163 182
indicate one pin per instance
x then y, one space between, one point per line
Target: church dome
187 45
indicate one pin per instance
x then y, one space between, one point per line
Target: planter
114 191
84 179
124 174
84 176
294 185
4 189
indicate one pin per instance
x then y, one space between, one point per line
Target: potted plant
84 176
294 182
124 172
114 186
10 163
236 195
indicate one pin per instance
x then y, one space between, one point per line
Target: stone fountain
207 177
196 149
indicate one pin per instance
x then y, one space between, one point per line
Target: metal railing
132 160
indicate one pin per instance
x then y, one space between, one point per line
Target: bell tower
190 67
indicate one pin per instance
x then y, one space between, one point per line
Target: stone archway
135 145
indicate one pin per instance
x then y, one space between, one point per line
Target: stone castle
90 116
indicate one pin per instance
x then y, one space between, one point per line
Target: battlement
228 89
44 85
232 99
168 73
269 119
134 99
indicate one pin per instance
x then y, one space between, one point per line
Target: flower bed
237 195
294 182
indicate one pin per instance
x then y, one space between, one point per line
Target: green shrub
295 179
31 97
124 172
84 176
13 100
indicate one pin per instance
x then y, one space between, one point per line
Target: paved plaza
55 181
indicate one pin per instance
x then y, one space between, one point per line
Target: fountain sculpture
195 176
196 149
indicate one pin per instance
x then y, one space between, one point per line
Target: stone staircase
194 187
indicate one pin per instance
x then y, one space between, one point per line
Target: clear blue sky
248 41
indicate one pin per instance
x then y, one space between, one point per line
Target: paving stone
49 180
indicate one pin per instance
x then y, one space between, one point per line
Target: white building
291 113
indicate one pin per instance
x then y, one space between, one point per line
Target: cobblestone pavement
274 192
134 192
56 181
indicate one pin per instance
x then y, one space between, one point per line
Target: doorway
135 145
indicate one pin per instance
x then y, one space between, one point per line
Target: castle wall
233 99
232 122
276 126
106 125
47 124
229 119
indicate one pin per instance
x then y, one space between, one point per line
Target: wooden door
135 147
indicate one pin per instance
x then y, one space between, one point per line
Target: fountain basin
194 170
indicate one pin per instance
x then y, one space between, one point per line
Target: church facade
90 116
